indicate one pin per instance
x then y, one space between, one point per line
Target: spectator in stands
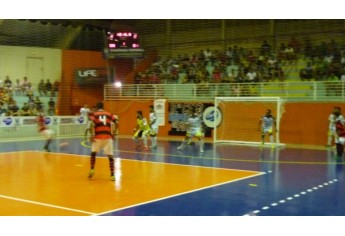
216 75
265 48
13 108
25 111
51 107
241 77
8 85
25 85
232 67
49 87
271 62
296 45
229 54
251 58
290 54
328 59
29 90
18 88
307 73
207 54
31 102
42 88
38 103
251 76
56 85
5 96
232 76
191 73
3 111
335 67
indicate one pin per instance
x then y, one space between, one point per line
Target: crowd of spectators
325 61
235 65
11 92
239 64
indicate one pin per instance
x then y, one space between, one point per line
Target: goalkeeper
267 123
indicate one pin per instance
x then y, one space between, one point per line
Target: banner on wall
49 120
90 77
159 106
9 121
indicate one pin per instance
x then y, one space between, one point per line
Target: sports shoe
112 178
91 173
46 149
180 147
201 150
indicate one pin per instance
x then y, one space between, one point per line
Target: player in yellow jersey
142 130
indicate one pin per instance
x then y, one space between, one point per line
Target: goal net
240 118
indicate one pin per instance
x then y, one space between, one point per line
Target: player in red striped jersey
44 130
340 130
102 134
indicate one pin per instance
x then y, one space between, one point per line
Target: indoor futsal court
225 180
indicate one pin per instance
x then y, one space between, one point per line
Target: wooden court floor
225 180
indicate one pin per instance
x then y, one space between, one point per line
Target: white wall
14 62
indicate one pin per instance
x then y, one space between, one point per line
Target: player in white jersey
332 134
84 112
194 129
267 123
153 127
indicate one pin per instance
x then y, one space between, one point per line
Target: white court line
179 194
294 196
47 205
155 162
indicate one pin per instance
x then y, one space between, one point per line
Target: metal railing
25 127
290 91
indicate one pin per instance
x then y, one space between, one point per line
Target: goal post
240 119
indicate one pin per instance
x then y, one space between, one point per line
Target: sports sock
93 160
340 149
201 143
111 165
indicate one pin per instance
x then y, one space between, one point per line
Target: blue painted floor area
296 182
